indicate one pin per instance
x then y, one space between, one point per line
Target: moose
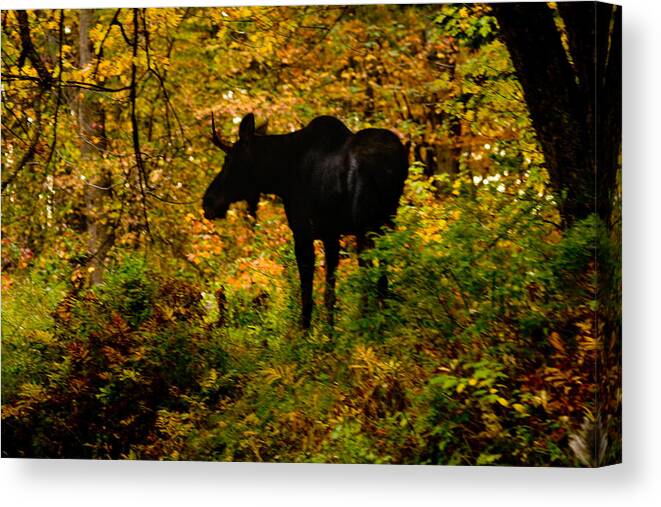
331 181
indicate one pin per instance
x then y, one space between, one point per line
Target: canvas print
315 234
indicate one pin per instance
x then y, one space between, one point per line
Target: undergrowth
482 353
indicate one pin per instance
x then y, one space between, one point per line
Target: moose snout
212 213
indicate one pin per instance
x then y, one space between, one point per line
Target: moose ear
262 129
247 126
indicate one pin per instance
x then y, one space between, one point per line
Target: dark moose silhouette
331 181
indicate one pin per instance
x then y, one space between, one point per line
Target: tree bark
93 142
574 98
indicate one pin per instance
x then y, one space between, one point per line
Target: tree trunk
93 142
574 99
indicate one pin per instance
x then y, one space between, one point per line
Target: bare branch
142 177
68 84
32 149
29 51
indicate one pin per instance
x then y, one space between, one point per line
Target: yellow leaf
503 402
472 382
556 342
519 408
461 387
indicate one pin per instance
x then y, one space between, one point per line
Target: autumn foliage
187 345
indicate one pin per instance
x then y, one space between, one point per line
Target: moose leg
382 285
304 250
363 243
332 253
252 208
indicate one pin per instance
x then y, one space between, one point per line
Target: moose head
235 182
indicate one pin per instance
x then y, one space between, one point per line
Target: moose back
331 181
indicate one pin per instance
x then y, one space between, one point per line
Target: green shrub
481 353
117 354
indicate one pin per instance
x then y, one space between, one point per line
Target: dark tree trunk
574 99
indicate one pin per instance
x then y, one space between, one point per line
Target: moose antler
215 138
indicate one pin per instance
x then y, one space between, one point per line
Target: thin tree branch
32 149
58 97
28 51
170 201
68 84
99 53
142 177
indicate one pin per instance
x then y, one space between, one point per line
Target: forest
135 328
